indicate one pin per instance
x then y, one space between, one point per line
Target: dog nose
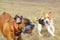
32 26
47 22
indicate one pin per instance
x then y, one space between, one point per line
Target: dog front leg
20 38
52 28
10 36
39 29
50 31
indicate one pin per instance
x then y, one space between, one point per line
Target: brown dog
10 27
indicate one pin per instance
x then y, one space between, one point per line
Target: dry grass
31 11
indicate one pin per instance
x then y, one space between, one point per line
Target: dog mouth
29 31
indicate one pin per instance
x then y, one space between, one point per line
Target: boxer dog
12 27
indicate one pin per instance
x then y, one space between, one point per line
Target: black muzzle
28 28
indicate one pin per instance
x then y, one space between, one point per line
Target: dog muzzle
28 29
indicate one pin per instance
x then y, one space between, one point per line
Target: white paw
40 34
53 35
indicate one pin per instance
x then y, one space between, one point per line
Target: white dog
48 22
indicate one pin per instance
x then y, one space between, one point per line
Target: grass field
33 10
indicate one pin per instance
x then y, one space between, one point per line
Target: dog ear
16 17
49 14
43 13
21 17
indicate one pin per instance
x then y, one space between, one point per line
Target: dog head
28 26
41 21
47 18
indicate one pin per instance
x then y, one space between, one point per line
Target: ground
33 10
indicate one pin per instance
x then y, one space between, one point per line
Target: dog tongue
30 31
